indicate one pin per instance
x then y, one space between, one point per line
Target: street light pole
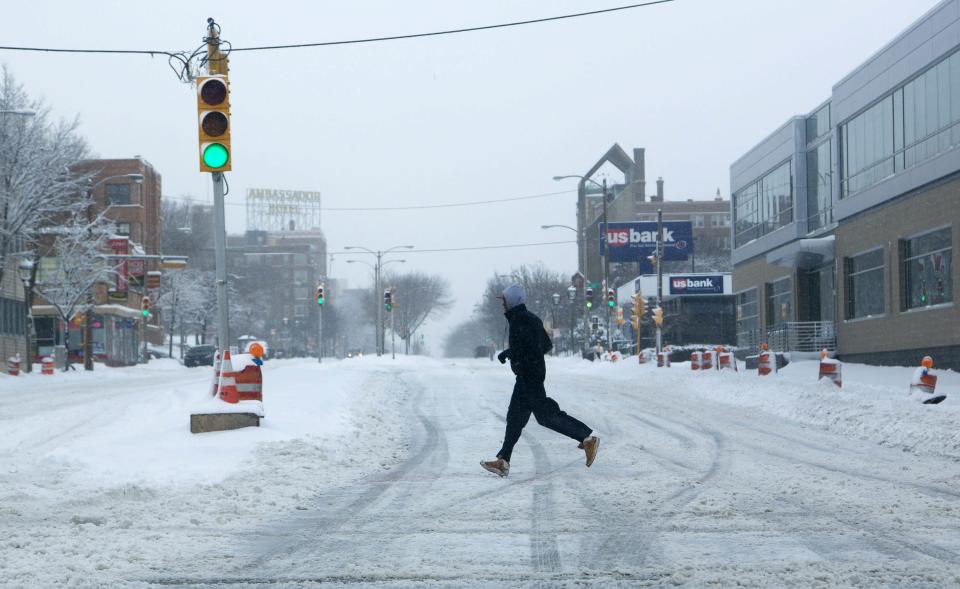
606 266
379 335
25 270
659 276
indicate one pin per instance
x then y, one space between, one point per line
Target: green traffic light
320 301
145 313
612 304
589 304
388 307
215 155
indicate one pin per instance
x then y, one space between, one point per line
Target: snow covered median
873 404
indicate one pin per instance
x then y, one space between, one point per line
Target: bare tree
76 264
466 340
419 297
36 155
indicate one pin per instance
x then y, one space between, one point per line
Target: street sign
633 242
696 285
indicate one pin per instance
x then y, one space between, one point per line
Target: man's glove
502 356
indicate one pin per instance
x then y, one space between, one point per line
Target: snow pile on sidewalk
101 479
872 405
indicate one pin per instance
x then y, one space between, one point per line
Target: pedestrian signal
213 123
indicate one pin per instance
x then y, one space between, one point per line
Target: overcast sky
477 116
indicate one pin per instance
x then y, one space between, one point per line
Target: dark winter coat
528 343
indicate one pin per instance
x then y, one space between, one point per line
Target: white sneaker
498 466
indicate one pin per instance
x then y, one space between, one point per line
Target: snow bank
873 404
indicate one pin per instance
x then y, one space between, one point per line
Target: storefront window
865 284
928 269
779 307
748 326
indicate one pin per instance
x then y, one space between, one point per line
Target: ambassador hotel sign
273 209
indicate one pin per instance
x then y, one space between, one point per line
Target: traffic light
213 123
320 298
619 316
658 316
145 306
388 300
589 298
639 308
611 297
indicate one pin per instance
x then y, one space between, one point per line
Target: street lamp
88 314
25 272
376 284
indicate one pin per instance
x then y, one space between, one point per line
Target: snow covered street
365 472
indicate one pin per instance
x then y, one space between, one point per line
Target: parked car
199 356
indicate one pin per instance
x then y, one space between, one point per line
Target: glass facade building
845 218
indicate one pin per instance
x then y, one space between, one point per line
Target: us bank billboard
633 242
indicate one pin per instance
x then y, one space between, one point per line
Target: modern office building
846 218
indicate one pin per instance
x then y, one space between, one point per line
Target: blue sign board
633 242
696 285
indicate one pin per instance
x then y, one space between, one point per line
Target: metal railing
803 336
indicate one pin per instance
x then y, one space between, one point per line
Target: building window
764 206
748 325
907 127
118 194
12 316
720 221
819 186
779 309
123 229
927 269
818 124
697 220
865 284
931 111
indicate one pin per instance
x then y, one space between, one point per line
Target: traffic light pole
320 334
220 256
659 276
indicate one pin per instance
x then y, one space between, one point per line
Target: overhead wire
179 55
475 248
406 207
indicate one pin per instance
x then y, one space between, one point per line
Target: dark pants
530 397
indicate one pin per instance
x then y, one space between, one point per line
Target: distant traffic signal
639 308
589 297
388 300
145 306
611 297
320 298
213 123
658 316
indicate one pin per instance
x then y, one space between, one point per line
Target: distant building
281 270
627 201
846 218
134 207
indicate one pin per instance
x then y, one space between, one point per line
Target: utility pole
321 299
659 276
604 239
